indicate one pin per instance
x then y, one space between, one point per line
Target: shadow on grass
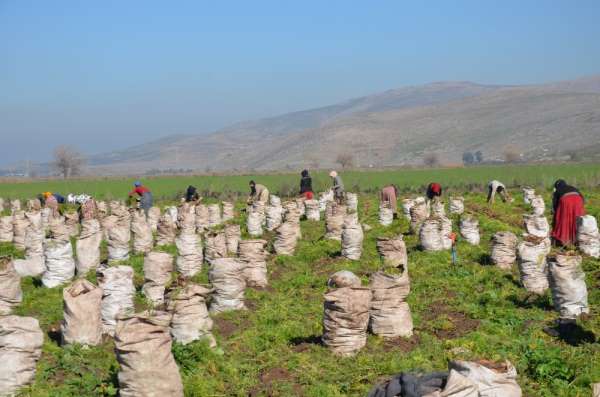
532 301
571 333
485 260
307 340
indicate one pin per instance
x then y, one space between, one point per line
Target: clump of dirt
404 344
226 328
445 323
271 376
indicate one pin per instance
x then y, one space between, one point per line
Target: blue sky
109 74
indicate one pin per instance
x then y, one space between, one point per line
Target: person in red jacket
145 196
567 206
434 191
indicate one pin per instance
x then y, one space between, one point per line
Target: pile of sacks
434 234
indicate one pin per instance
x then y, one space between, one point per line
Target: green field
468 311
408 180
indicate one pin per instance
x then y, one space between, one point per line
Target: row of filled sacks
456 206
342 224
350 309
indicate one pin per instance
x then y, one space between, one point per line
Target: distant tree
431 159
512 154
478 156
468 158
346 160
68 161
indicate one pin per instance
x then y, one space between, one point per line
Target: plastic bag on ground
392 251
538 206
215 246
153 217
274 216
11 294
533 267
21 340
352 237
228 211
189 260
143 349
588 237
87 246
345 319
567 283
504 247
233 234
158 267
491 382
60 266
390 316
117 294
313 212
456 205
418 213
226 277
6 229
469 229
82 318
214 215
253 255
352 201
536 226
334 220
166 230
386 214
141 232
190 320
286 239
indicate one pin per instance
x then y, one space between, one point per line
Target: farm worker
338 186
567 206
389 194
258 193
191 194
497 187
145 196
434 191
59 199
306 185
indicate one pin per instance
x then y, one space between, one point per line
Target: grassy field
468 311
165 188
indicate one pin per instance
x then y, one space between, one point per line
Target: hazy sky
102 75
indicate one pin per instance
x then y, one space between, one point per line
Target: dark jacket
560 189
305 184
191 194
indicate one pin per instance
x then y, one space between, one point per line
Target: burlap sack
214 215
20 225
119 234
352 201
469 229
35 220
345 319
528 194
6 229
226 277
201 218
301 206
11 294
536 226
101 210
418 213
143 348
117 294
430 235
15 205
153 217
141 232
87 246
456 205
21 341
228 211
253 255
107 223
82 318
190 319
166 230
46 215
567 283
186 216
60 265
189 261
324 198
504 247
274 216
172 212
274 200
72 223
158 267
254 223
313 212
34 263
334 220
438 209
392 251
233 234
2 204
588 237
352 237
343 278
407 204
386 214
538 206
533 267
491 382
390 316
215 246
286 239
58 230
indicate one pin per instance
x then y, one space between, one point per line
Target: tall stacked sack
352 237
334 220
273 213
588 237
418 213
567 283
533 266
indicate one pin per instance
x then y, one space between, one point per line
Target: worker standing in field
389 195
145 196
191 194
338 187
497 187
258 193
434 191
567 206
306 186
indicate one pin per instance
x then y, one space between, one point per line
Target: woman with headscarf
258 193
567 205
306 185
338 186
145 195
191 194
434 191
389 194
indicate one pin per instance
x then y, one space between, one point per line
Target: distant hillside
396 127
